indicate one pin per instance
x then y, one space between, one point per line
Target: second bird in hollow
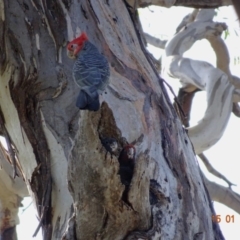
90 72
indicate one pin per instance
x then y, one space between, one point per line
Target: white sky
224 156
29 221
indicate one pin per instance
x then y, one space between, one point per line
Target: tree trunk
74 181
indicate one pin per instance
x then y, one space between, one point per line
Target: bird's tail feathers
88 99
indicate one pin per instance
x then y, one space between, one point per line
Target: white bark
60 195
155 41
12 191
223 195
187 19
204 76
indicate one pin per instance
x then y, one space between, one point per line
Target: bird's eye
71 46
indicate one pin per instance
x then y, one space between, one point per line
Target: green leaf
226 34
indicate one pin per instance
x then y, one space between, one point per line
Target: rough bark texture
166 196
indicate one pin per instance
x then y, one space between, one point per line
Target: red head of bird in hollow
127 156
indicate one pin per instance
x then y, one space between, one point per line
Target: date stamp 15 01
220 218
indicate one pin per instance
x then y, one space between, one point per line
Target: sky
224 155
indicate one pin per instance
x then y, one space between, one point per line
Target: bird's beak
130 153
70 54
114 146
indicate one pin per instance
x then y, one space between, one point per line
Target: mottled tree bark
74 182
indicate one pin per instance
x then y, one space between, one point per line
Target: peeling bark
204 76
11 194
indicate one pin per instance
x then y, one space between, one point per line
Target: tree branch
204 76
223 195
203 3
156 42
187 19
236 110
185 99
183 3
236 5
213 171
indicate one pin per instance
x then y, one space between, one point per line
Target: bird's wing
100 65
85 74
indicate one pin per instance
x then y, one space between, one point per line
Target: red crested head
128 153
76 45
